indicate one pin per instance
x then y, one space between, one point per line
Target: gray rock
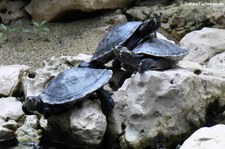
11 10
10 113
176 19
83 125
10 79
162 103
203 44
48 10
216 15
206 138
140 13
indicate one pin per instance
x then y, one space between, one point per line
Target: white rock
161 102
10 77
203 44
217 63
197 69
47 10
163 37
206 138
11 111
83 124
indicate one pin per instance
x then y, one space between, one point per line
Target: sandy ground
67 39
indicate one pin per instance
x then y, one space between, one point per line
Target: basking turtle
152 54
70 87
128 35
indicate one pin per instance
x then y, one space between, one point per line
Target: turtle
151 54
128 34
69 87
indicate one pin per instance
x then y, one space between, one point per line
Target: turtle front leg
107 102
47 112
154 63
126 56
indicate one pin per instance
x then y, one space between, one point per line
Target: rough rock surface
217 63
84 125
10 77
176 20
48 10
29 131
206 138
203 44
11 10
158 105
10 113
216 15
34 81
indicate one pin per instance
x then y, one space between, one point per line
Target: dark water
14 144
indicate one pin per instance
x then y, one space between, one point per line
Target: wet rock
203 44
48 10
206 138
10 113
10 79
11 10
158 105
29 131
34 81
82 126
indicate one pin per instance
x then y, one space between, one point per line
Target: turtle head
33 103
153 22
120 51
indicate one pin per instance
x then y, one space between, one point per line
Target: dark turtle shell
74 84
114 37
160 48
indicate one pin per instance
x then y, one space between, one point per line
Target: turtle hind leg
107 102
154 64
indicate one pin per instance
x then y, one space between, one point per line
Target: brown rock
47 10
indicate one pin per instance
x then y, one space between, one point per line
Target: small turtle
128 35
152 54
68 88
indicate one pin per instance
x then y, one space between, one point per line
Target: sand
63 39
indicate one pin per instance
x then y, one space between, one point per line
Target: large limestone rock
10 113
161 105
203 44
48 10
10 79
84 125
206 138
